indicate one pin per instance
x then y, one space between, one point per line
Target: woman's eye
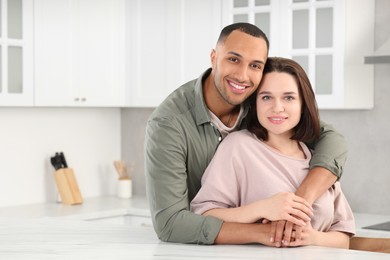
289 98
265 97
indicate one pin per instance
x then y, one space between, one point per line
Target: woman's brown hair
308 128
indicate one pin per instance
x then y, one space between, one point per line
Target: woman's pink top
244 169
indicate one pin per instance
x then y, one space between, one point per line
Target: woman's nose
278 106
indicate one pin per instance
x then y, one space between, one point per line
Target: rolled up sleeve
330 151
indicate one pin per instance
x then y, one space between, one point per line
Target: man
184 131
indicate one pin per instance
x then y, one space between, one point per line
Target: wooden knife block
67 186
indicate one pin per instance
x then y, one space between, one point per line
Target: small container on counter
124 185
124 188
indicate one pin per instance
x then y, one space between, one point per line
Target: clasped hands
290 217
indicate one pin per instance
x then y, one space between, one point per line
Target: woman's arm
283 205
309 236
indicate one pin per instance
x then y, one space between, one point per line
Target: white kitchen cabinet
79 53
169 43
16 35
328 38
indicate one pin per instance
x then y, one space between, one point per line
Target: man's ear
213 58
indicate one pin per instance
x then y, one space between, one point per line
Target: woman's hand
310 236
306 236
286 206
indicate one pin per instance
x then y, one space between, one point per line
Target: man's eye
233 59
256 66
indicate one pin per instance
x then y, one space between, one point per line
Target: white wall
133 136
90 139
366 179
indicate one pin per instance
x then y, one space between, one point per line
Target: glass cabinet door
16 84
316 45
257 12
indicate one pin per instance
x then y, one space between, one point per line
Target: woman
255 172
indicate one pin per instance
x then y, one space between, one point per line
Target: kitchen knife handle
63 160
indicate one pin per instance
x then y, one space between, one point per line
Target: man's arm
167 191
238 233
330 151
326 165
317 181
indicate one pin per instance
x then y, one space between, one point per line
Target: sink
381 226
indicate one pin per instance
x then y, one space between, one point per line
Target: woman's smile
277 120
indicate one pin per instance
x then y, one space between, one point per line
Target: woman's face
278 104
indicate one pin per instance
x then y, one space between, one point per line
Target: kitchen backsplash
89 137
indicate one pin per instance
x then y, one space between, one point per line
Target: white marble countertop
56 231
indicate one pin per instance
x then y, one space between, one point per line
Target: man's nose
242 73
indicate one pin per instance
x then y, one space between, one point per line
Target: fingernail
277 244
271 239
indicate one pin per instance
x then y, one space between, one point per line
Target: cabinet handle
83 99
76 99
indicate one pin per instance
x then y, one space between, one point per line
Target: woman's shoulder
241 135
236 144
239 140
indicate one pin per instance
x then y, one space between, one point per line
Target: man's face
238 66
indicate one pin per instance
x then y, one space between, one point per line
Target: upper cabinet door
16 71
100 48
327 38
79 53
169 43
53 66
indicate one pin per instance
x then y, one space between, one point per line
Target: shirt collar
201 110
